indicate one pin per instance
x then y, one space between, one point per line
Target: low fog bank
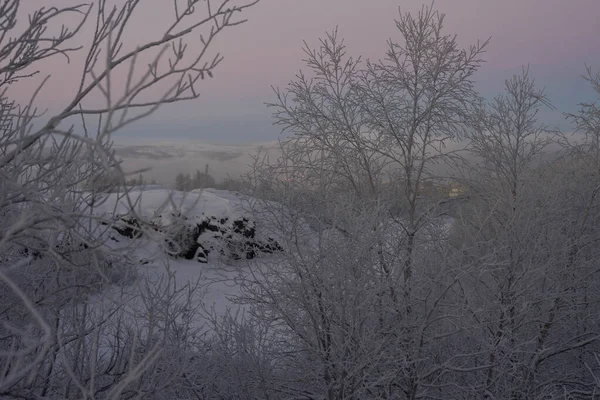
167 158
162 160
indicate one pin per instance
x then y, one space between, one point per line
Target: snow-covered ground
218 274
152 202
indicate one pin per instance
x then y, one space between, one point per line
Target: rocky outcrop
127 226
198 238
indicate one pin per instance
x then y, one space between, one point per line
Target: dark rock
183 241
273 246
27 252
127 226
244 228
209 224
202 255
191 252
234 238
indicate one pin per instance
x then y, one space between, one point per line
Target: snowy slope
162 204
153 202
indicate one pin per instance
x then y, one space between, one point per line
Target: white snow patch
163 204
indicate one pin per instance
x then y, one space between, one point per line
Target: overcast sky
555 37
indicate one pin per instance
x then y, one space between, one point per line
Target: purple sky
556 37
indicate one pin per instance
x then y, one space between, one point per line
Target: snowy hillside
213 230
153 202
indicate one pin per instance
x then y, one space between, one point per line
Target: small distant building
456 189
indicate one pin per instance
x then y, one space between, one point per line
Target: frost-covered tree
55 251
383 292
183 182
528 275
202 180
361 292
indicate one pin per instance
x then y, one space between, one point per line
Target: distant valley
165 159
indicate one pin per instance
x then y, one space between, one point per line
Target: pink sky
556 37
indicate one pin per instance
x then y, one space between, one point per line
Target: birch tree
55 251
361 292
532 277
